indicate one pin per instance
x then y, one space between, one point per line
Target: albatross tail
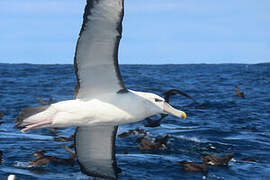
34 118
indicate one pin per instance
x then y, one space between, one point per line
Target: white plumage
102 101
111 109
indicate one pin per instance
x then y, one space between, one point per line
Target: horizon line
142 63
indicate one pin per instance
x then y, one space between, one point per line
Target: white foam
21 164
194 139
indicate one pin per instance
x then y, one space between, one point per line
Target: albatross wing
96 57
95 151
97 72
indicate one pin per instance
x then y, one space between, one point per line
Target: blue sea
224 124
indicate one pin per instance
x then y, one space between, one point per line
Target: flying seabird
102 102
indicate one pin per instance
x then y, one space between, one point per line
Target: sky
154 31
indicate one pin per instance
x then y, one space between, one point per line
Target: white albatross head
158 105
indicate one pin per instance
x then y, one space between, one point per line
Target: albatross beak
174 112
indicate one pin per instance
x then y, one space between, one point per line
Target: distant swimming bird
217 161
194 167
148 144
136 131
1 114
249 159
64 139
42 160
238 92
1 156
102 100
46 103
161 142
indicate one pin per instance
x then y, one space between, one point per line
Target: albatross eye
158 100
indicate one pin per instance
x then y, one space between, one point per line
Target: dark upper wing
95 151
96 57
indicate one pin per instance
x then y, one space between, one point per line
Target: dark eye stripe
157 100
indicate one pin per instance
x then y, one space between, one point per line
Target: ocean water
227 124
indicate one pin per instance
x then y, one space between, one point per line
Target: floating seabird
102 102
64 139
1 156
43 160
136 131
50 101
148 144
40 159
249 159
214 160
194 166
1 114
238 92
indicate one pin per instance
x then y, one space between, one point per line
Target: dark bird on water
1 156
146 144
50 101
194 167
249 159
136 131
149 144
1 114
42 160
214 160
64 139
238 92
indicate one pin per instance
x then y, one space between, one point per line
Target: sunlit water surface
228 123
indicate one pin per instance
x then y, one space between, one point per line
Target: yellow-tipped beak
174 112
184 115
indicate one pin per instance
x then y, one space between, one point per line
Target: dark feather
194 167
172 92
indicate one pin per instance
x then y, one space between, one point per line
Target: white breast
107 110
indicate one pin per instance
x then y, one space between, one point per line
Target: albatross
102 102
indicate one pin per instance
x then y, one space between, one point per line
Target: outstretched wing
96 57
95 151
